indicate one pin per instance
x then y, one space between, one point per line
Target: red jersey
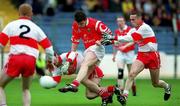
123 32
89 34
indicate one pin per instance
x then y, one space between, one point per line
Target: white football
47 82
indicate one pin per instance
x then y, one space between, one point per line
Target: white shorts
126 58
98 50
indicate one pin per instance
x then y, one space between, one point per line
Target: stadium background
55 17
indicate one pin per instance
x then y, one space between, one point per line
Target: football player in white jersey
24 37
147 57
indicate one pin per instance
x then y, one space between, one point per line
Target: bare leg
4 80
136 68
89 61
134 83
26 93
92 93
155 79
120 80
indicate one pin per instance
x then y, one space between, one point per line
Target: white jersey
143 36
24 37
75 57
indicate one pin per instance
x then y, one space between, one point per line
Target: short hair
25 9
120 17
79 16
138 14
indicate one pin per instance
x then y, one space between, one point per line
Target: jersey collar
24 17
139 25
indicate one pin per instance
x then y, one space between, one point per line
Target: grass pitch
146 95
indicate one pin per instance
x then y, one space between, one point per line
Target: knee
132 75
120 73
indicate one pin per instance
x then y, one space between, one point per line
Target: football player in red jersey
90 31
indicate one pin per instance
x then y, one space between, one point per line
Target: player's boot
104 102
68 88
167 93
121 98
110 99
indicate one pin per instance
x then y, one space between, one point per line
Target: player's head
25 10
80 18
135 18
120 22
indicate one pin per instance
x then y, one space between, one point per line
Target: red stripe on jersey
147 40
45 43
3 39
22 41
137 37
59 59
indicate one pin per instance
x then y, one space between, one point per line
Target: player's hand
65 67
113 59
107 36
98 43
106 42
50 65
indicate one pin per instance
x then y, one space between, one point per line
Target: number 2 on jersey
24 32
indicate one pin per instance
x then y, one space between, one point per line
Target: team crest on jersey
89 30
85 35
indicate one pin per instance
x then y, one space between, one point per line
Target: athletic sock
57 78
75 83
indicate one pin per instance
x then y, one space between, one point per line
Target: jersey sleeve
102 28
46 44
75 34
136 35
4 35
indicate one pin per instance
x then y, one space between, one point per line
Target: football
47 82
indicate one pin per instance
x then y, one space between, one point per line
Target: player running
24 37
123 53
147 57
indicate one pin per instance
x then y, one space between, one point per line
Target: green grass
146 95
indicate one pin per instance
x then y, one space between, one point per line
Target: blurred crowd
155 12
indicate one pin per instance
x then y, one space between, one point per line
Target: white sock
126 92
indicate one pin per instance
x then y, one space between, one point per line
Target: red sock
110 88
57 78
103 93
134 88
75 83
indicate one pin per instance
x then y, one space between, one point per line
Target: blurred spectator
178 19
115 6
37 6
93 5
50 7
68 5
156 12
148 7
127 8
105 4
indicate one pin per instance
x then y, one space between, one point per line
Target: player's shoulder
93 21
116 30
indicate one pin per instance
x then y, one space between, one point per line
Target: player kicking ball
68 64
